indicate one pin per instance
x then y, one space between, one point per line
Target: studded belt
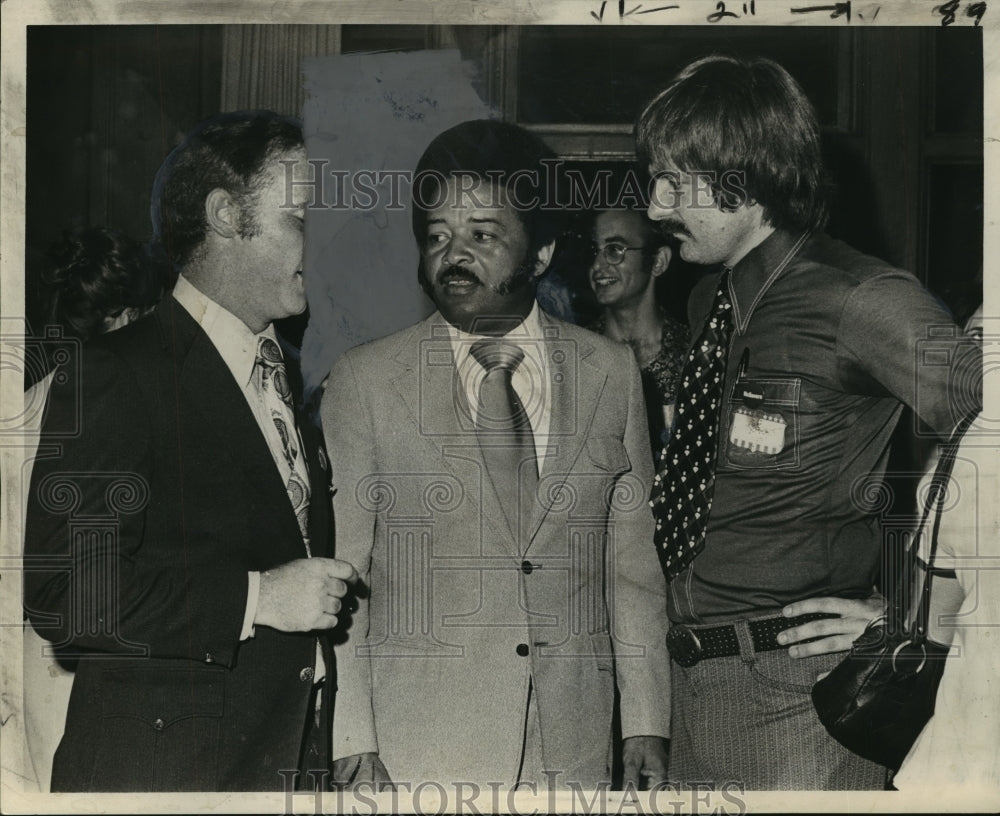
688 645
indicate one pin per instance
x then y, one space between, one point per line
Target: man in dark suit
177 544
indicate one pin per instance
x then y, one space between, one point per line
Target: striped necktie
505 433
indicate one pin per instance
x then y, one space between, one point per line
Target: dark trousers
314 760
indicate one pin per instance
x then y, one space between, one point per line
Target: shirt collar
760 267
527 336
232 338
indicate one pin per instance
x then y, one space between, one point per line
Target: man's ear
661 260
222 213
544 258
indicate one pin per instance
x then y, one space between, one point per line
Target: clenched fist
304 594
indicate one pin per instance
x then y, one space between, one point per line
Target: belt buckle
683 645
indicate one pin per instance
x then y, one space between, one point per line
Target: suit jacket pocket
161 728
608 453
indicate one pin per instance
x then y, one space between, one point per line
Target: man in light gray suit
491 468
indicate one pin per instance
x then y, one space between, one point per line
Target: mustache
671 226
454 272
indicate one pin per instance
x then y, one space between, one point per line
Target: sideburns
521 277
248 225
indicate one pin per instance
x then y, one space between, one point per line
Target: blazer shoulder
400 344
128 354
590 344
164 333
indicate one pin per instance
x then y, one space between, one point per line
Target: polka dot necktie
278 399
505 433
682 492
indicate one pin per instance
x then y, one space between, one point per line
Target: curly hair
96 274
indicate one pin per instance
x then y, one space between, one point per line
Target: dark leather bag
879 698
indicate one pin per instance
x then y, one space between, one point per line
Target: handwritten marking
977 10
658 8
868 10
720 12
837 9
947 12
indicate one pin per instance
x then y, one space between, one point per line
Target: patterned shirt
661 376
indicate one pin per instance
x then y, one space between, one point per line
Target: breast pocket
608 454
763 428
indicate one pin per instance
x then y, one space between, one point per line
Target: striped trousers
749 720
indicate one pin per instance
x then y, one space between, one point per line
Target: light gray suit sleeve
639 614
350 438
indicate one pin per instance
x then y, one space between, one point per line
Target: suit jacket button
522 649
306 675
209 658
527 567
158 724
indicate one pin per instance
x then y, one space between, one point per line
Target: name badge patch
758 431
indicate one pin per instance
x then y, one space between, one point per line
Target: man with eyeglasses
629 256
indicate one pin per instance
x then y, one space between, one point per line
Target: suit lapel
427 382
320 506
576 386
217 406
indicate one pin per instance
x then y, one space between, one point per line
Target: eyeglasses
613 254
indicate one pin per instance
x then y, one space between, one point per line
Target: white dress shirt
237 346
530 379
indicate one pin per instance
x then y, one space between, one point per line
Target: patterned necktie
505 433
682 492
278 400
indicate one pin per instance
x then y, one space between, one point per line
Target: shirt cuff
252 597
